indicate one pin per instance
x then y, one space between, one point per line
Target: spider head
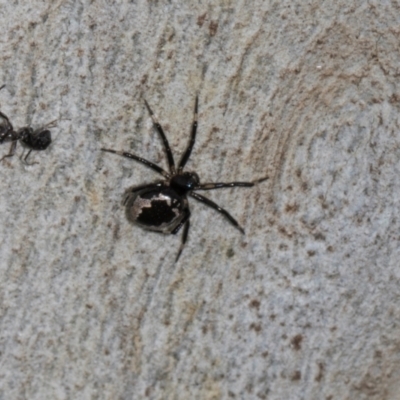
184 182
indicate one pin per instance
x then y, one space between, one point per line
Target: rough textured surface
306 305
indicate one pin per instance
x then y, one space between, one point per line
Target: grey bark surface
306 305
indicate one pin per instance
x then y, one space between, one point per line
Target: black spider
39 139
163 206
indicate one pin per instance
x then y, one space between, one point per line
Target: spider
39 139
163 206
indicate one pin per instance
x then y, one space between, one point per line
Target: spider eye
192 178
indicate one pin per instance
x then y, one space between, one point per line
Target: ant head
42 139
35 140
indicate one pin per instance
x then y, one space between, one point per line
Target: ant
38 139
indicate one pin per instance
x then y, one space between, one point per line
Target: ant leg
184 238
4 116
219 185
218 208
26 157
51 124
149 164
188 151
12 150
157 125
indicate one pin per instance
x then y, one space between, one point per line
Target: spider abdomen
158 209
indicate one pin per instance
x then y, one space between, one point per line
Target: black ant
38 139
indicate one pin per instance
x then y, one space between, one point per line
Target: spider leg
12 150
219 185
160 130
188 151
218 208
149 164
184 238
184 219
